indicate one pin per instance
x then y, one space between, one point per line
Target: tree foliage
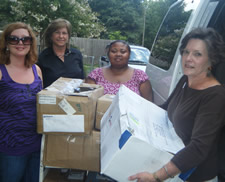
128 16
155 12
4 12
169 35
107 19
116 36
125 16
39 13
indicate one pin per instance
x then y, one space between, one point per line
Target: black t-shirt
53 68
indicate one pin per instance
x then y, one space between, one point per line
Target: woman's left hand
142 177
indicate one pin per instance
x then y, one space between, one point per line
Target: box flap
136 156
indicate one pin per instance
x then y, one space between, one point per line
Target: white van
164 68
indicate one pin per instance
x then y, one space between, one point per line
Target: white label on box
65 106
63 123
71 139
47 99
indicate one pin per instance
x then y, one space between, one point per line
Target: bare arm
146 90
0 74
89 80
39 73
169 170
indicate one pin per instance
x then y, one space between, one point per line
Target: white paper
164 136
148 122
66 107
47 99
63 123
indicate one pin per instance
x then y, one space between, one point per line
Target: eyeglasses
15 40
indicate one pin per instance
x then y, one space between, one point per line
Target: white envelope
63 123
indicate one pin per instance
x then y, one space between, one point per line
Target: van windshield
139 55
169 34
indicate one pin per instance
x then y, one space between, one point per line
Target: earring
7 49
209 70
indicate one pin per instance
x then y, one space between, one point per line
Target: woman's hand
164 173
142 177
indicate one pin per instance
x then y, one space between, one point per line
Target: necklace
62 55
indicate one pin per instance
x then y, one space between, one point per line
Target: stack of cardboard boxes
67 118
136 135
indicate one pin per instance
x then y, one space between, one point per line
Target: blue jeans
23 168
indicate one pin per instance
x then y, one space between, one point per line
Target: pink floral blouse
134 83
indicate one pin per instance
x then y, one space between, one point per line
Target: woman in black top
58 60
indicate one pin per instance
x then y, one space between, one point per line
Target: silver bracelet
165 168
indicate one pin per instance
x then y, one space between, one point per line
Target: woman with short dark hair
196 109
58 59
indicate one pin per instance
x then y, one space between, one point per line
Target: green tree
134 19
155 13
125 16
169 35
39 13
4 12
116 36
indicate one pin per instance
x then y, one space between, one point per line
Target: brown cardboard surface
75 152
103 104
84 104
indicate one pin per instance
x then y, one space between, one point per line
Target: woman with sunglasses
20 81
58 60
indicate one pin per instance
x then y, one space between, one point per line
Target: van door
164 68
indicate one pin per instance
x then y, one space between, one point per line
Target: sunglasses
15 40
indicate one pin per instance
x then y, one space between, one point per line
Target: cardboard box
103 104
136 136
60 110
75 152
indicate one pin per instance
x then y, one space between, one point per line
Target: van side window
169 35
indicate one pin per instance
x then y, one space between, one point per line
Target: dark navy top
18 123
52 67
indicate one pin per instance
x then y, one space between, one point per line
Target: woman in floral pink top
111 77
